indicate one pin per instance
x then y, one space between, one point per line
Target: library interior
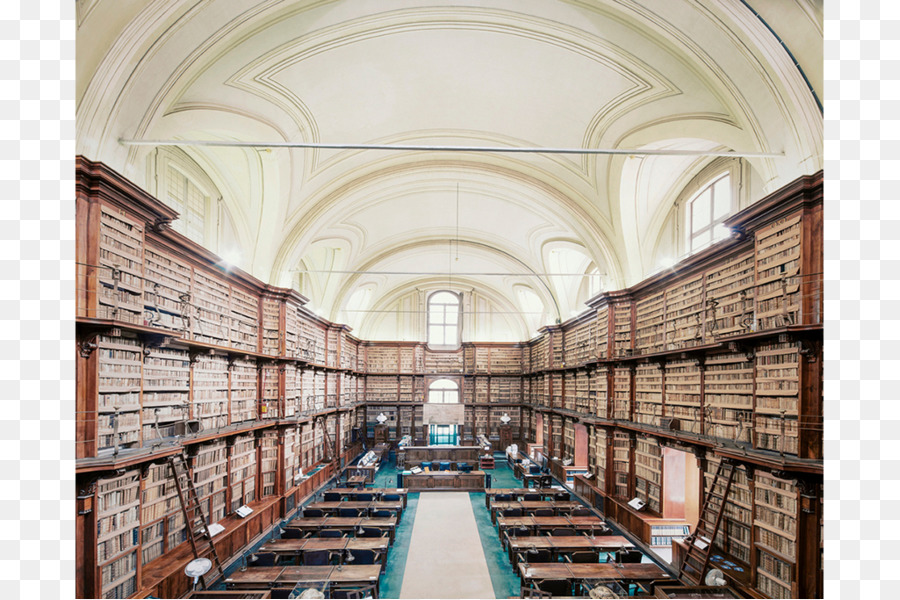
316 359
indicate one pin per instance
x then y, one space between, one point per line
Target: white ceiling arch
622 74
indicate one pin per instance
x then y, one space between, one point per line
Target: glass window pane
450 335
435 334
719 232
452 315
700 217
722 198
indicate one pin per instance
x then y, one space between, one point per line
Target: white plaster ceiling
628 74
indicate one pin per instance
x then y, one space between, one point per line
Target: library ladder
701 541
325 435
195 520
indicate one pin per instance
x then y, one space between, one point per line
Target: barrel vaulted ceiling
371 229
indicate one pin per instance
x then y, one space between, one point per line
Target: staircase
195 521
700 543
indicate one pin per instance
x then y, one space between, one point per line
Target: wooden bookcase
119 393
268 466
776 424
622 379
648 473
165 383
729 297
622 443
683 393
649 329
242 469
118 521
210 472
120 278
684 314
648 394
244 390
728 387
209 391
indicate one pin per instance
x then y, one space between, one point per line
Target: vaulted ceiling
368 227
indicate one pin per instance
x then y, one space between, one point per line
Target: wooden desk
560 508
331 508
445 480
296 548
561 544
580 572
356 481
411 456
350 493
255 578
367 471
539 524
546 493
347 524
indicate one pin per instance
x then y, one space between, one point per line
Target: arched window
443 391
443 320
706 212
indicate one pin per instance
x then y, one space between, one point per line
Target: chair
531 497
582 557
502 497
514 532
561 496
426 466
292 534
563 531
313 512
435 465
542 555
542 512
556 587
628 556
391 498
464 467
314 558
331 497
581 511
381 514
365 557
512 512
354 592
372 532
546 481
444 466
534 469
364 497
348 512
331 533
264 559
527 592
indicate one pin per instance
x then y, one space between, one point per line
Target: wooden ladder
700 543
329 449
194 519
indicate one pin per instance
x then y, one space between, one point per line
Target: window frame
444 391
429 324
709 227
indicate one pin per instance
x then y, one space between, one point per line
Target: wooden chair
512 512
364 497
514 532
313 512
527 592
331 533
556 587
372 532
502 497
561 496
314 558
379 514
542 512
531 497
581 511
562 531
264 559
292 534
331 497
353 592
364 557
628 556
582 557
391 497
542 555
348 512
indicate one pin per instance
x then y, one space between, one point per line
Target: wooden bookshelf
778 273
602 334
268 406
622 329
209 467
684 314
120 280
649 330
775 535
683 393
443 362
159 502
167 289
271 326
582 387
118 520
600 388
776 424
268 466
734 537
599 442
621 460
648 394
648 473
622 393
209 391
729 297
209 297
244 390
118 392
166 383
242 470
728 388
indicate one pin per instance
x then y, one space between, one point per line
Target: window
706 212
443 320
443 391
190 202
442 434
